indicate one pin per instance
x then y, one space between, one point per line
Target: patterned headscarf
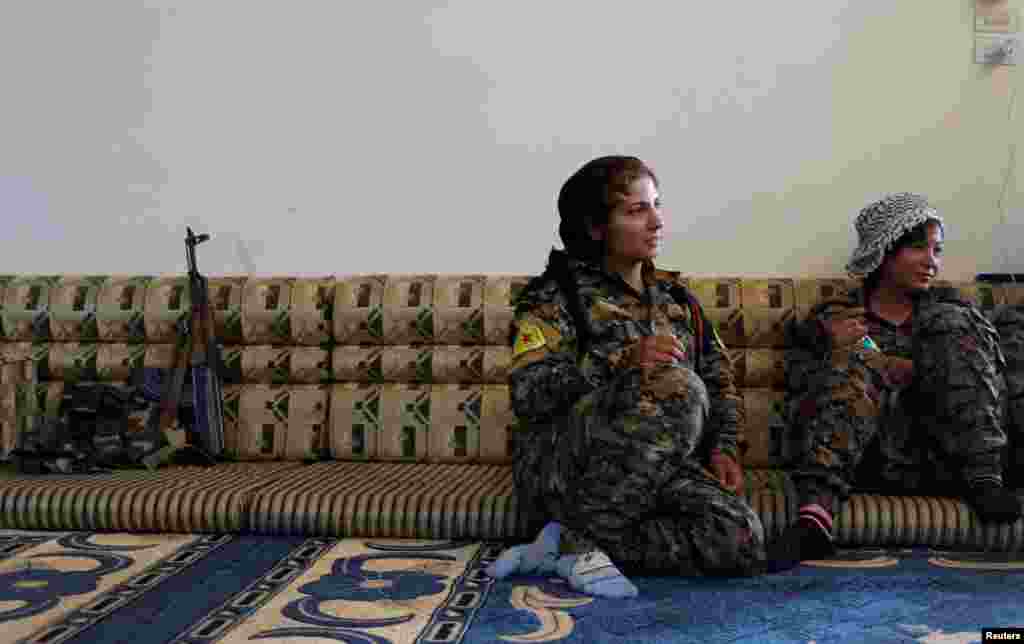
883 222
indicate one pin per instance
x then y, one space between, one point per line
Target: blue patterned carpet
82 587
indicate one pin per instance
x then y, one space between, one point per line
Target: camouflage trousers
934 436
1009 323
619 472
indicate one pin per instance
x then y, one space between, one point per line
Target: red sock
817 515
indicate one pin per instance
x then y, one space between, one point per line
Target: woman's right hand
652 349
847 328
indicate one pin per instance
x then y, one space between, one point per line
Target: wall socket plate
998 49
995 17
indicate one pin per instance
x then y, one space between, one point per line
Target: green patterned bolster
874 520
175 499
391 500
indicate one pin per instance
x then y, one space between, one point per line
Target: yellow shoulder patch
528 338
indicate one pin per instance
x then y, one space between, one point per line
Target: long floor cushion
173 499
419 501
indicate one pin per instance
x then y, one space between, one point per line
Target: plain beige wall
331 137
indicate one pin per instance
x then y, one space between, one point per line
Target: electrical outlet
997 49
995 18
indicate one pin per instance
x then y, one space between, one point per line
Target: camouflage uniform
616 460
843 423
1009 323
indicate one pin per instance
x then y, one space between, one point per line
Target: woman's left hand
728 471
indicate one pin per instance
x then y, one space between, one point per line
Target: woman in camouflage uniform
896 387
627 419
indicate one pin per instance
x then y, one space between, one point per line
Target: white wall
332 137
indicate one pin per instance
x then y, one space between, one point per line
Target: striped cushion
175 499
419 501
874 520
391 500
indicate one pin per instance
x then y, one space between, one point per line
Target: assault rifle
197 350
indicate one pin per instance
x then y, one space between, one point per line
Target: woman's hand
650 350
728 471
846 329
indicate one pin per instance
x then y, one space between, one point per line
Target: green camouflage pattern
118 433
985 297
1009 323
842 424
617 458
617 318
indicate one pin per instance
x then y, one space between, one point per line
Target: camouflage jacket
810 347
547 375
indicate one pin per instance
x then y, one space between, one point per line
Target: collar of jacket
858 296
561 260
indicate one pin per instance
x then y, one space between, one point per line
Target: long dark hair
589 195
585 200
